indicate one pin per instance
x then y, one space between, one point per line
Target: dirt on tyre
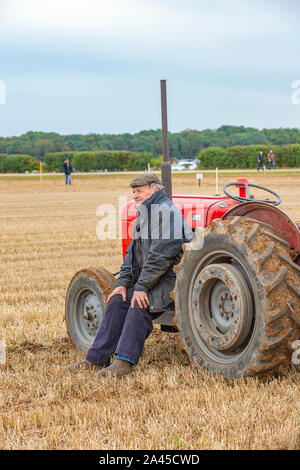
237 299
85 304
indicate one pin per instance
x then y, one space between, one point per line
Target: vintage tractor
237 292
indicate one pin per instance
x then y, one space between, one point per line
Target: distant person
260 161
68 170
271 160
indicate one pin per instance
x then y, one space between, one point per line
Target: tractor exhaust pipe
166 173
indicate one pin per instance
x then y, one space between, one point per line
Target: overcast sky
74 66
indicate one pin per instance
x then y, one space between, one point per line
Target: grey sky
74 66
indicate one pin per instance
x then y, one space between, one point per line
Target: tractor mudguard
281 223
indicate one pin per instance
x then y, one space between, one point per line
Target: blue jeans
123 331
271 164
68 178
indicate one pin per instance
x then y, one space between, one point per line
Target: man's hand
141 298
121 290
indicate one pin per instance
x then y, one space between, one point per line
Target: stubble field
46 236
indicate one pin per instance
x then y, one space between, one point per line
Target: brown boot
118 368
85 364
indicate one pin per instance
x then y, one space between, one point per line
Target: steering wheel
250 197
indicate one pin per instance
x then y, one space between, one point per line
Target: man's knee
115 301
117 304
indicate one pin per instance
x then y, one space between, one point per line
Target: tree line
225 147
185 144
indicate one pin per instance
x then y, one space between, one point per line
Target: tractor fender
281 223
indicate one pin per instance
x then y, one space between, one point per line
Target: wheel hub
222 306
91 311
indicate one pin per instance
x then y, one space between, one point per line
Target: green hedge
246 156
99 160
212 157
54 161
18 163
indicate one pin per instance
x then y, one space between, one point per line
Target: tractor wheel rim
222 312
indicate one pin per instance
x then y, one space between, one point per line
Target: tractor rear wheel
85 304
237 299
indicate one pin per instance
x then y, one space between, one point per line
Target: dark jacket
154 250
68 168
260 158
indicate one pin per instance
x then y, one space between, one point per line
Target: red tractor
237 292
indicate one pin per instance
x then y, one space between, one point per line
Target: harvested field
46 236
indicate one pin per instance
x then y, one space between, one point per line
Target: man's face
142 193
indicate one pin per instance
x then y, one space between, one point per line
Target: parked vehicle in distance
185 165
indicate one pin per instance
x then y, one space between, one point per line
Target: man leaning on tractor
142 291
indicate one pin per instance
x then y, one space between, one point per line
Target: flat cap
145 178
